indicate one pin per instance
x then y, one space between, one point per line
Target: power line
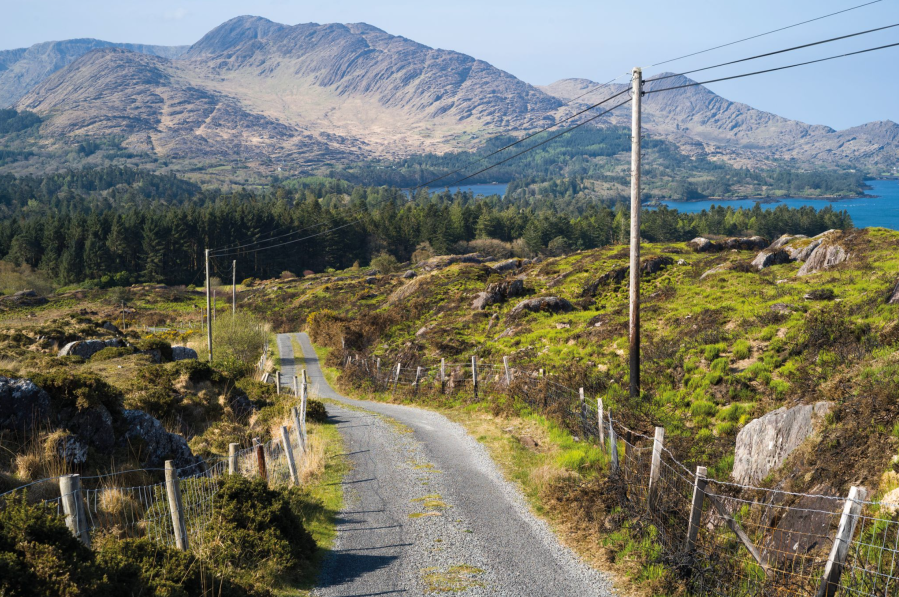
771 70
289 242
809 45
766 33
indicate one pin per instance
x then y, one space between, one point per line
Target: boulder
615 276
785 240
242 406
800 528
444 261
151 443
508 265
409 274
764 443
702 245
88 348
781 308
552 304
370 280
803 251
25 298
67 447
24 407
183 353
769 257
824 257
498 292
92 425
715 270
894 298
654 265
110 327
753 243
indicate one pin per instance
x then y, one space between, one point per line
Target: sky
541 42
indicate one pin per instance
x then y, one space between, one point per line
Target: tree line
114 226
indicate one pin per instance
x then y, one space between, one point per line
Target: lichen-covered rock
92 425
498 292
110 327
615 276
785 240
444 261
88 348
508 265
151 444
803 250
552 304
183 353
715 270
702 245
654 265
24 407
68 447
753 243
769 257
408 275
823 258
894 297
25 298
764 443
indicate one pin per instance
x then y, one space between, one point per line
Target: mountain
696 115
22 69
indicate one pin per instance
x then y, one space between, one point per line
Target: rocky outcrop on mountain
819 252
88 348
498 292
894 296
148 440
552 304
765 443
24 68
769 257
444 261
24 298
822 258
702 245
753 243
24 407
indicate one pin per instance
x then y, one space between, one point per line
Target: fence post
830 582
296 386
696 507
232 459
260 460
599 419
442 375
417 377
613 445
474 376
73 506
304 401
173 490
580 394
278 381
396 378
508 373
378 369
298 429
288 451
657 444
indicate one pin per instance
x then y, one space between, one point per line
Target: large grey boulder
88 348
92 425
552 304
654 265
702 245
770 257
151 443
785 240
498 292
752 243
824 257
183 353
508 265
66 446
803 252
764 444
24 407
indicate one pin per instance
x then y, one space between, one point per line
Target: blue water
882 210
477 189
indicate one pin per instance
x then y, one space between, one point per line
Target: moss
76 389
112 352
164 348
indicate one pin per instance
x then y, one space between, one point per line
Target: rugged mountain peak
232 34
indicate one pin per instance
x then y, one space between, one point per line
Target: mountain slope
22 69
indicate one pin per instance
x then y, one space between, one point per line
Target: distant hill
22 69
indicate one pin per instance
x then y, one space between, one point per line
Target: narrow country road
426 510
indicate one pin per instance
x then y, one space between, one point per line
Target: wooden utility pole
123 315
208 310
637 95
233 290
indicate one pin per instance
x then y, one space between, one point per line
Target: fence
721 538
177 511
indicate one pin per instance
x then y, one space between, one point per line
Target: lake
882 210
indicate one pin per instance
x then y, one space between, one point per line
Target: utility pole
233 290
637 95
123 315
208 310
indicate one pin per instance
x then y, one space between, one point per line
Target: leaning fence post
232 459
613 445
696 507
260 460
830 582
73 506
378 369
508 373
296 386
304 402
278 381
599 419
474 376
657 444
298 428
288 451
173 490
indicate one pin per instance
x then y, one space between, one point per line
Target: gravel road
426 510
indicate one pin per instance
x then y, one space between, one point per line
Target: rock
890 502
781 308
66 446
528 442
24 407
801 527
25 298
183 353
715 270
242 406
444 261
682 262
820 294
88 348
409 274
894 298
552 304
702 245
372 272
110 327
785 240
803 251
823 258
615 276
769 257
371 280
654 265
151 443
764 443
753 243
422 331
498 292
92 425
508 265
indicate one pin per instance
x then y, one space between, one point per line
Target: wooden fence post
580 394
232 459
296 386
696 507
298 428
396 378
613 445
852 509
657 444
601 422
508 372
73 506
378 369
474 376
288 451
417 377
442 375
304 402
173 491
260 460
278 381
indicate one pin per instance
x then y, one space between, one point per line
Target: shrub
164 348
423 252
732 413
315 411
385 263
742 350
720 365
768 333
701 408
238 342
112 352
713 351
79 390
249 282
196 371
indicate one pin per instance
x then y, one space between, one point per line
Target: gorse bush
238 341
68 389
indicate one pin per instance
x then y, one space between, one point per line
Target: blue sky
541 42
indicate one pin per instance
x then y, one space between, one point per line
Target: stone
715 270
753 243
768 257
371 280
894 297
528 442
702 245
25 298
785 240
508 265
183 353
110 327
444 261
781 308
798 532
654 265
409 274
92 425
242 406
552 304
682 262
151 443
615 276
67 447
803 252
24 407
820 294
889 503
823 258
88 348
765 443
498 292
